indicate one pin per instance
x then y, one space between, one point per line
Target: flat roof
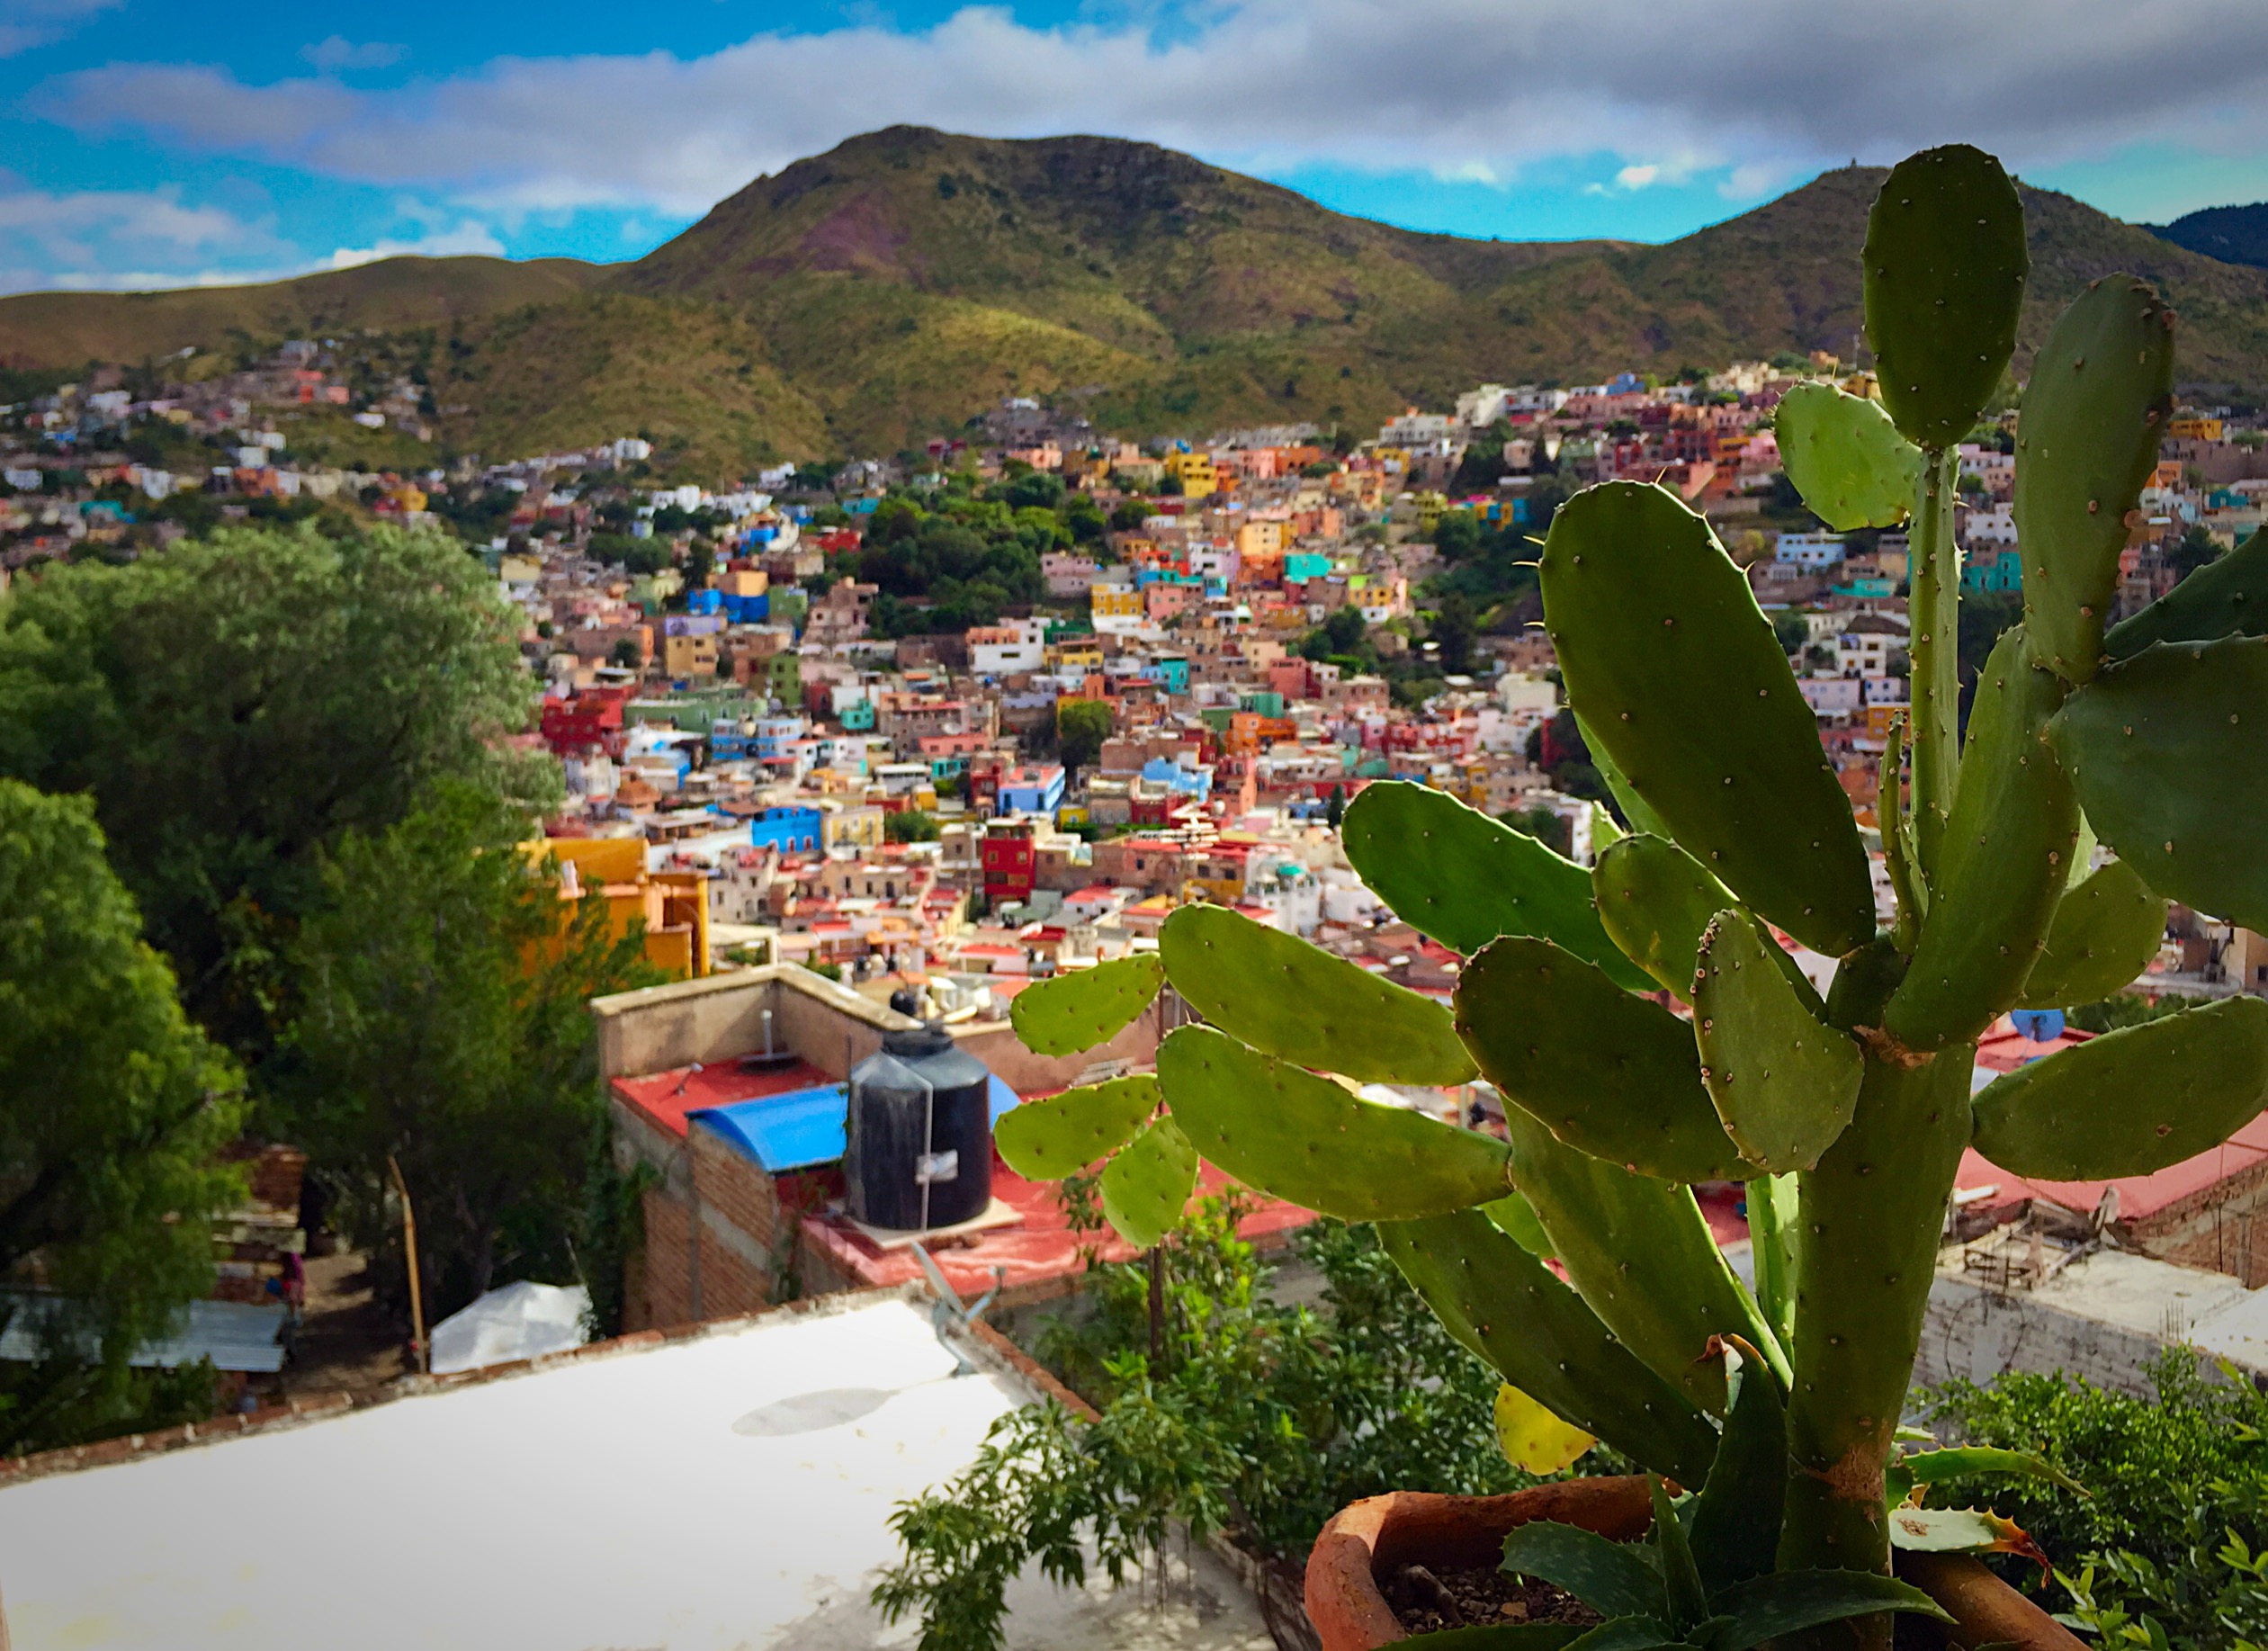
728 1488
665 1099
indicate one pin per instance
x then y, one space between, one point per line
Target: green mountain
888 289
2233 234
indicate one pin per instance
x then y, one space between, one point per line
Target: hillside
888 289
65 329
2233 234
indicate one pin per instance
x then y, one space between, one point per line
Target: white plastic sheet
518 1321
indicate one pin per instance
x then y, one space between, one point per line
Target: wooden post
417 1295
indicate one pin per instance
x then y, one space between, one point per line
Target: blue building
1035 790
791 828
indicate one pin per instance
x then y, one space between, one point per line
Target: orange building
673 905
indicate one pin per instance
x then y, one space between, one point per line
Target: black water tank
920 1123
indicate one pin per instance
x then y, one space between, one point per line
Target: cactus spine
1847 1120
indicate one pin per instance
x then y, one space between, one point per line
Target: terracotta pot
1369 1539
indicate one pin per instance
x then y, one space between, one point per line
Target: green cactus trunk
1933 650
1869 1218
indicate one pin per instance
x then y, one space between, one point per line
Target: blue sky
150 142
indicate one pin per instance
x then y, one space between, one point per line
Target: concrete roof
730 1489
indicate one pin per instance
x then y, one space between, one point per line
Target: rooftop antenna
948 1314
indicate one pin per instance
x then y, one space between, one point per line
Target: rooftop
728 1488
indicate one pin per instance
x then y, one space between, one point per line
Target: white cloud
126 239
1636 177
1671 86
26 23
467 239
339 53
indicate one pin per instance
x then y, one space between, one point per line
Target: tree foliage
113 1110
235 707
1081 725
444 1023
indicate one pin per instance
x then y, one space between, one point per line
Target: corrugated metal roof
235 1335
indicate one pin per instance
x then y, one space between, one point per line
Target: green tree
1129 514
1456 627
1335 807
911 825
1343 629
113 1110
625 654
1081 725
236 705
444 1023
2196 549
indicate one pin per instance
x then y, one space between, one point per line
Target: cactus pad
1676 670
2228 596
2004 861
2169 752
1944 280
1280 995
1635 808
2104 935
1517 1217
1846 458
1078 1011
1146 1187
1655 899
2133 1100
1599 1216
1783 1080
1046 1140
1511 1310
2101 392
1609 1073
1532 1438
1306 1140
1452 872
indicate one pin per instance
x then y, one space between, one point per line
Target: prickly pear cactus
1645 1027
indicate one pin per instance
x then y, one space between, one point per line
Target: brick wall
2223 1228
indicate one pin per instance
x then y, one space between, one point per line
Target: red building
592 718
1008 856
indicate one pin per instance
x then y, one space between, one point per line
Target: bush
2173 1533
1257 1418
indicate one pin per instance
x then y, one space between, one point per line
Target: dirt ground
346 1341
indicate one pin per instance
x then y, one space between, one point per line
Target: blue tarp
803 1127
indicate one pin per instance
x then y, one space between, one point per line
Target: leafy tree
1081 725
2196 549
1457 535
444 1025
1545 826
625 653
1038 489
1343 629
1791 633
1129 514
911 825
237 706
1335 807
1456 627
113 1110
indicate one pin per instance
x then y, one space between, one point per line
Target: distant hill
2233 234
66 329
888 289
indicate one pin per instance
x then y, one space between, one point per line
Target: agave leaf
1789 1601
1612 1578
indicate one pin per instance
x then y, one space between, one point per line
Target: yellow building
1078 653
1260 540
1194 471
852 826
689 656
672 905
1113 602
2195 429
